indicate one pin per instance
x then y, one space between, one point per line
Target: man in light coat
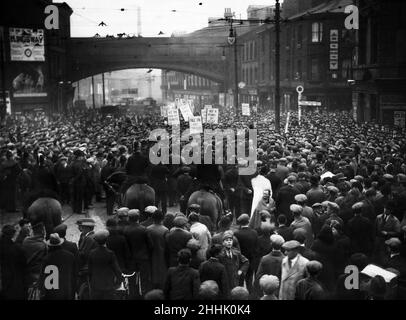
293 270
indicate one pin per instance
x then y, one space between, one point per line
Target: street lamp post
277 67
232 40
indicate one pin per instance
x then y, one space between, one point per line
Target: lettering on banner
195 125
185 110
213 116
173 117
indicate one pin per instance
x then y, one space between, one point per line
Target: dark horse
139 196
210 204
46 210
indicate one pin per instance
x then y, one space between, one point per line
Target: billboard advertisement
28 80
27 44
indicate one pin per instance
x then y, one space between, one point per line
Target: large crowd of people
332 194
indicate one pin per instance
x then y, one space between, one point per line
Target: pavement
97 212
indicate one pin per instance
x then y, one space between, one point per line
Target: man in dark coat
65 263
315 194
136 168
159 182
78 182
245 193
248 240
183 182
104 272
117 243
283 229
276 182
156 234
271 263
66 245
182 282
310 288
285 197
213 269
361 232
137 239
12 265
63 175
177 239
86 245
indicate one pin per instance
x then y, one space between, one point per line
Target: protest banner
246 109
173 117
212 116
195 125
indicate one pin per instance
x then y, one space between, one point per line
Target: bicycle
123 292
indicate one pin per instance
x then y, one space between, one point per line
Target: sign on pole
173 117
310 103
195 125
213 116
245 109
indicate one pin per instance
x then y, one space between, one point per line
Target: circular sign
241 85
299 89
28 52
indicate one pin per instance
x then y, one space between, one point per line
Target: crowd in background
336 197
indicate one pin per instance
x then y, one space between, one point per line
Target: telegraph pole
94 105
104 93
277 67
235 69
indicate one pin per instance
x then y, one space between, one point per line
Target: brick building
379 70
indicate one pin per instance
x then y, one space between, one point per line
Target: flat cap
277 239
87 222
314 266
393 242
316 205
180 221
291 245
101 236
243 219
228 234
300 198
150 209
123 212
133 212
357 206
333 189
295 208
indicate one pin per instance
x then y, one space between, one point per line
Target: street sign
310 103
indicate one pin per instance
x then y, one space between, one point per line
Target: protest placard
173 117
246 109
212 116
195 125
185 110
164 111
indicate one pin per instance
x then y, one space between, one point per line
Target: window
315 73
255 74
317 32
263 71
287 73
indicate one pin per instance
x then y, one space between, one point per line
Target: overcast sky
156 15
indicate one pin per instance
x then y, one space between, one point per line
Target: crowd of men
333 194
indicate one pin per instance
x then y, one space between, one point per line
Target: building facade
379 70
34 58
315 52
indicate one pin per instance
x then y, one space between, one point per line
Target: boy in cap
271 264
310 288
66 245
235 263
104 271
293 270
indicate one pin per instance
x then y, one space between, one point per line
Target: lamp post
232 41
277 67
